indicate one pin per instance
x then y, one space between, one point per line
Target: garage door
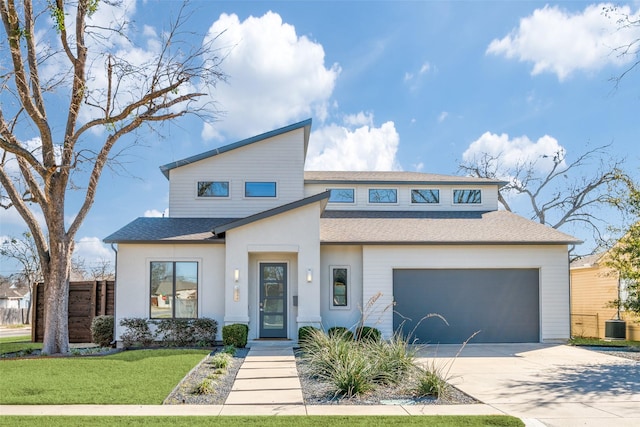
503 304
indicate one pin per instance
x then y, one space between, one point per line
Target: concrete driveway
544 384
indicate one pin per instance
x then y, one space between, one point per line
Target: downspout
115 293
569 272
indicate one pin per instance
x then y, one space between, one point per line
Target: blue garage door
503 304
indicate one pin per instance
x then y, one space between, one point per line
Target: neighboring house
593 287
13 296
252 238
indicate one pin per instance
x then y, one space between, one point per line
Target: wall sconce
236 293
309 275
236 274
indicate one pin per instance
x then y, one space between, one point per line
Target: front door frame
263 333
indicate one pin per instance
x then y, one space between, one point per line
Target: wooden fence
86 301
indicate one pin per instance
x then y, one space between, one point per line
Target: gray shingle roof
168 229
587 260
496 227
391 177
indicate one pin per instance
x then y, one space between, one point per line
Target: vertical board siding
279 159
86 301
489 198
379 262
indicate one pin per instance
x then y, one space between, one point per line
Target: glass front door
273 300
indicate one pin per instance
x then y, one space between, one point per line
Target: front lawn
297 421
16 344
577 341
143 377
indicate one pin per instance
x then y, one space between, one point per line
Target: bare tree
67 110
566 193
25 253
631 48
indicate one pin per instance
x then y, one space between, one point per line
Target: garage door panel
503 304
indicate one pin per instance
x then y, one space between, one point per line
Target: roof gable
306 125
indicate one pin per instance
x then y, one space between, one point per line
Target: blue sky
406 85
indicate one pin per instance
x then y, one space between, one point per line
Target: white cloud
426 67
442 116
275 76
92 250
366 147
360 119
561 42
515 151
154 213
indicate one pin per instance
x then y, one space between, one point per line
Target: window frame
424 203
453 196
332 305
199 197
275 190
353 200
369 190
173 286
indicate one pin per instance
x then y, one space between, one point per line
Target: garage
502 304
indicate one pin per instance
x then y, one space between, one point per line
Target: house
14 303
253 238
593 287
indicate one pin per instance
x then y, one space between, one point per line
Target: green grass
237 421
142 377
15 344
599 342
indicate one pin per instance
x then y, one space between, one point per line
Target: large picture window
213 189
260 189
340 286
425 196
467 197
174 290
383 195
342 195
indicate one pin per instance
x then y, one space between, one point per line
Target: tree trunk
56 296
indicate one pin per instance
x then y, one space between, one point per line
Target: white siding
133 278
279 159
379 262
489 197
276 238
351 257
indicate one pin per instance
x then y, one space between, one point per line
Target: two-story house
252 238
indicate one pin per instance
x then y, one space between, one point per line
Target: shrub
431 383
137 332
206 386
220 360
304 333
204 331
235 335
368 333
102 330
342 332
228 349
394 359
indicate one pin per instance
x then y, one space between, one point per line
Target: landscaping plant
235 335
102 330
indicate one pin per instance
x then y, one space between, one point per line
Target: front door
273 298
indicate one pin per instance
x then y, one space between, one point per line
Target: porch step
268 343
268 376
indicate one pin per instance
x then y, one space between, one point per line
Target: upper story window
425 196
174 290
213 188
467 197
342 195
259 189
383 195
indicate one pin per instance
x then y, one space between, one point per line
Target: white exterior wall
341 256
489 197
133 287
290 236
279 159
379 262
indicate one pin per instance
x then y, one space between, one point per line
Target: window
383 195
467 197
213 189
174 290
425 196
339 286
342 195
260 189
